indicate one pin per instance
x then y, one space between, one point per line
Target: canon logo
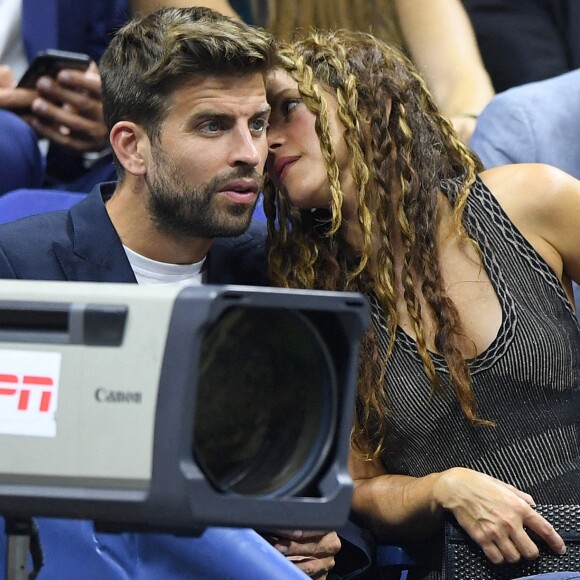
106 396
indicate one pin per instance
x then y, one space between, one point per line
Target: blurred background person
523 41
533 123
437 34
67 111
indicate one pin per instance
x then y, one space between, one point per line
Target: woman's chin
305 201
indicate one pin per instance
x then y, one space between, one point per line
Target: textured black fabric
464 559
527 381
522 41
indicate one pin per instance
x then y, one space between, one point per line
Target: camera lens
266 402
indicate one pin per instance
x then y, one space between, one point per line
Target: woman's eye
289 105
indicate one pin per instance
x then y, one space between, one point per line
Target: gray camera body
109 394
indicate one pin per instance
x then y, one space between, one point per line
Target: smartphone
50 62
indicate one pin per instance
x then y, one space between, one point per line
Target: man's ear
131 146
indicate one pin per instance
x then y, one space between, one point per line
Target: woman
436 34
469 391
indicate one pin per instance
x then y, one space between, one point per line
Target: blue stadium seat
24 202
72 549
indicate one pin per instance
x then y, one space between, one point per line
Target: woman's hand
494 514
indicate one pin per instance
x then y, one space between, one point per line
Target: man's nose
247 149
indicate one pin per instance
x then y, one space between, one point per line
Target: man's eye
259 125
212 126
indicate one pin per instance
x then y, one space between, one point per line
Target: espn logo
41 386
29 385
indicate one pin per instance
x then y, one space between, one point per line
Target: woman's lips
284 165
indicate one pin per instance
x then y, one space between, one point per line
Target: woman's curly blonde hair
401 150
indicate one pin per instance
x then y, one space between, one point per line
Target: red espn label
29 384
23 390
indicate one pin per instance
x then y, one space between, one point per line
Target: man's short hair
152 56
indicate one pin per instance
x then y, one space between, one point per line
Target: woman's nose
274 138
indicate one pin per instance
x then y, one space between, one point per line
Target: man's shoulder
35 228
26 246
560 89
55 225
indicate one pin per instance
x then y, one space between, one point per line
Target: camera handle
22 539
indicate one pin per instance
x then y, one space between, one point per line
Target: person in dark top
65 111
469 389
523 42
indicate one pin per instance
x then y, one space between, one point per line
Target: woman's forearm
398 507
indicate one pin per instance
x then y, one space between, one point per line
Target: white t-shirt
149 271
12 50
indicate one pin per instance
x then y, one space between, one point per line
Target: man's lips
241 190
283 165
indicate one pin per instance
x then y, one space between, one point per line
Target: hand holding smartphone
69 113
50 63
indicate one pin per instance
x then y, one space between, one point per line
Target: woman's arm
410 511
442 43
493 513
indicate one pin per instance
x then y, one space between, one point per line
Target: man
66 111
185 104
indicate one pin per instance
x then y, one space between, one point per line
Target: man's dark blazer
81 244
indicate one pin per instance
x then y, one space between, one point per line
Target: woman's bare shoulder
527 190
544 204
524 179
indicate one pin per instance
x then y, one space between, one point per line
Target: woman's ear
130 144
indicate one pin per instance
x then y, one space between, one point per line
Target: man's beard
179 209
